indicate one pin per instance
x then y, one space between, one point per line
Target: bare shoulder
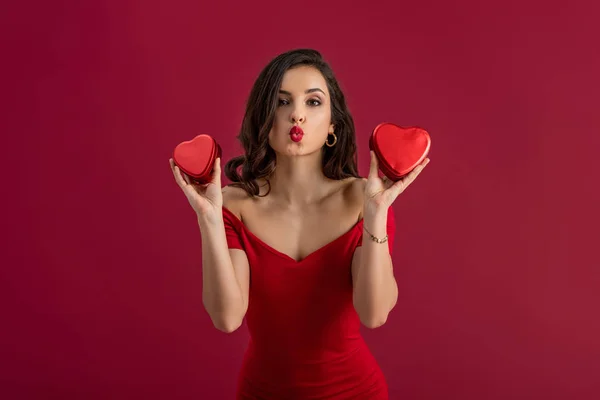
234 199
354 193
354 190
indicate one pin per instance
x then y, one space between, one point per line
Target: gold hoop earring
334 140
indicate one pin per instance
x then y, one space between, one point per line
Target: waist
305 334
326 373
294 352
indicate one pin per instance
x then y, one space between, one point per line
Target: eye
283 102
314 102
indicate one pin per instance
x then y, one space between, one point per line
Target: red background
496 252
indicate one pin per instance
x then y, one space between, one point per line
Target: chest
299 234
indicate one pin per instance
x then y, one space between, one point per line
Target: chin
294 149
299 149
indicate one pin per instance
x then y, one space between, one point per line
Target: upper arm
233 199
356 263
241 268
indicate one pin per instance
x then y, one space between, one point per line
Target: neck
299 181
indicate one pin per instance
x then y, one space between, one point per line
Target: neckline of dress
284 255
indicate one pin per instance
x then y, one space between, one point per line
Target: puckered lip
296 130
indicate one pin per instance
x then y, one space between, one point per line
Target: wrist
375 211
375 207
209 219
376 238
375 222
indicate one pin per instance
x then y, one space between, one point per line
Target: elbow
226 322
373 321
371 316
226 325
227 328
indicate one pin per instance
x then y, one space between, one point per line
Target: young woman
299 244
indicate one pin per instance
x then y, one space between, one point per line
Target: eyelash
312 100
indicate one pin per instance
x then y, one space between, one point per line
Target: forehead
299 79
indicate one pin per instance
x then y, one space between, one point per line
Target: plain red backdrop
496 252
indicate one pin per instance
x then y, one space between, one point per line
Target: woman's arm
225 272
225 276
375 289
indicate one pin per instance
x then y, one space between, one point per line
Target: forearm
221 291
375 289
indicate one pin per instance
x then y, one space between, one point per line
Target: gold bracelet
374 238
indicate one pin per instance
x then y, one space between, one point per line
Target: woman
282 246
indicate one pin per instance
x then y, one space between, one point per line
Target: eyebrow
307 92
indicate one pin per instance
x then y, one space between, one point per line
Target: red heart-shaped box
196 157
399 149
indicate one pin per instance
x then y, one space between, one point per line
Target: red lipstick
296 133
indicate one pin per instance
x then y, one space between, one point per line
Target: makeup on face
296 133
302 105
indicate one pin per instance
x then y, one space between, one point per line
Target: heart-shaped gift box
399 149
196 157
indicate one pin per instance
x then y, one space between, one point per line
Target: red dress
305 340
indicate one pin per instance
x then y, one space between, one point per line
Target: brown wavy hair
339 161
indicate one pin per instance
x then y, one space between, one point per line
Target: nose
297 115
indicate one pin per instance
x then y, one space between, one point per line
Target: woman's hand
380 193
204 199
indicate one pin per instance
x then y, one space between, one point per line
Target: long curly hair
258 161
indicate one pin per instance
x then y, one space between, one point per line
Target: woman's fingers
374 166
387 182
177 174
216 174
403 183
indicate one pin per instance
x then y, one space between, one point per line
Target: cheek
322 117
279 119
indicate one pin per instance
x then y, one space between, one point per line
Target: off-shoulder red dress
305 340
